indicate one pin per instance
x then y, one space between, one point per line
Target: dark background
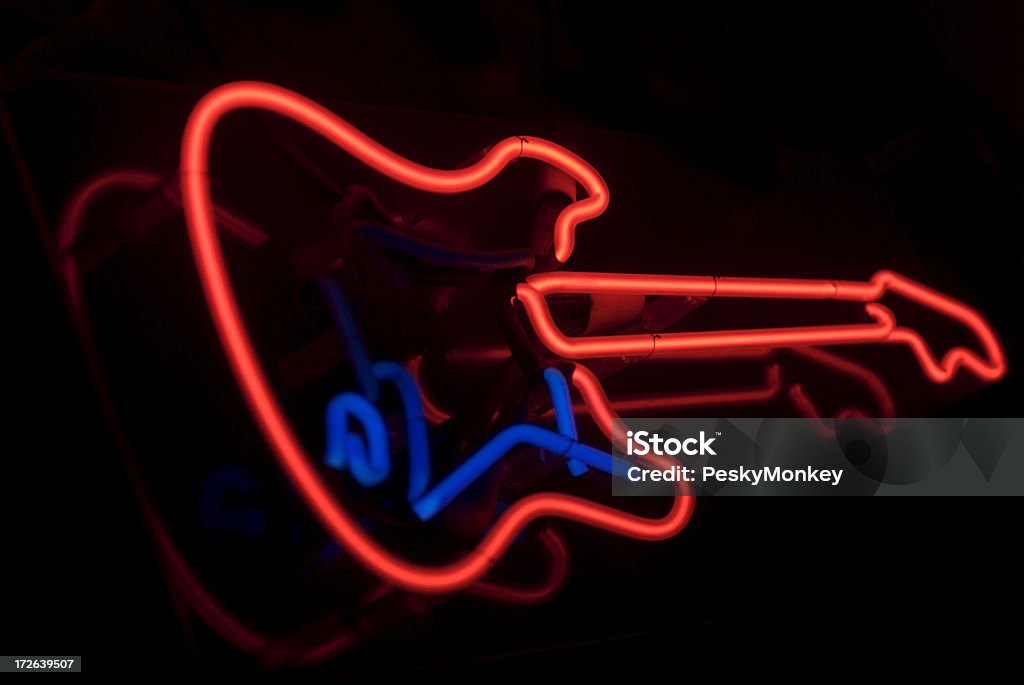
784 138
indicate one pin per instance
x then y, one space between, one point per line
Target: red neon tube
990 367
256 388
180 575
287 103
606 412
548 587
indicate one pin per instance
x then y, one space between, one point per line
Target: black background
745 93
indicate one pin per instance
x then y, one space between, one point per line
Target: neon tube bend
287 103
256 388
884 329
216 616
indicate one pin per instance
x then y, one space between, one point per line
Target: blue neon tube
345 324
475 466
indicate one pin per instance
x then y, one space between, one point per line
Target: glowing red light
199 211
884 329
234 336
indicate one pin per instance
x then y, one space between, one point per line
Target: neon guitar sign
881 326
